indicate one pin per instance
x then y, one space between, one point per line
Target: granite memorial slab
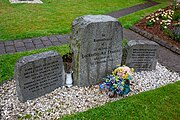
96 43
141 55
38 74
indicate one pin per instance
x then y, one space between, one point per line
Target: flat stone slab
25 1
141 55
38 74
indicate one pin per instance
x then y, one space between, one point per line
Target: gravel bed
75 99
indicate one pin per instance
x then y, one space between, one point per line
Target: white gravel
75 99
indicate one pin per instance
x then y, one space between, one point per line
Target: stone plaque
96 44
38 74
141 55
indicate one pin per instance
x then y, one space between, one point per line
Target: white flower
165 27
157 18
148 18
156 14
168 20
169 17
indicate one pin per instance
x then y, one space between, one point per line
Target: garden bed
161 24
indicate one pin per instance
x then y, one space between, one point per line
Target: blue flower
118 91
101 86
112 80
108 84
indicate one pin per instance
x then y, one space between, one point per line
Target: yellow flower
115 85
125 76
119 69
132 70
116 78
122 83
122 88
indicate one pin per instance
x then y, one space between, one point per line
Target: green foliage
176 37
176 16
174 3
27 116
175 33
7 61
164 17
158 104
124 43
149 24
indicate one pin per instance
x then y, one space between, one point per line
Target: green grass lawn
19 21
159 104
52 17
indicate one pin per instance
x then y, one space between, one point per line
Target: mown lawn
52 17
159 104
55 17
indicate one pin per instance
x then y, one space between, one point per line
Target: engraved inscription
42 76
143 58
101 53
38 74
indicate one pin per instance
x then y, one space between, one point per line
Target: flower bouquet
118 82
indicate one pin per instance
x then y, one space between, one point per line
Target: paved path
32 43
132 9
166 57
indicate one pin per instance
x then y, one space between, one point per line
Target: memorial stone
96 44
38 74
141 55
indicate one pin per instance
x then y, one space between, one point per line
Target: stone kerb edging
155 39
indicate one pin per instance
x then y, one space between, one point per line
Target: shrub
176 16
149 23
